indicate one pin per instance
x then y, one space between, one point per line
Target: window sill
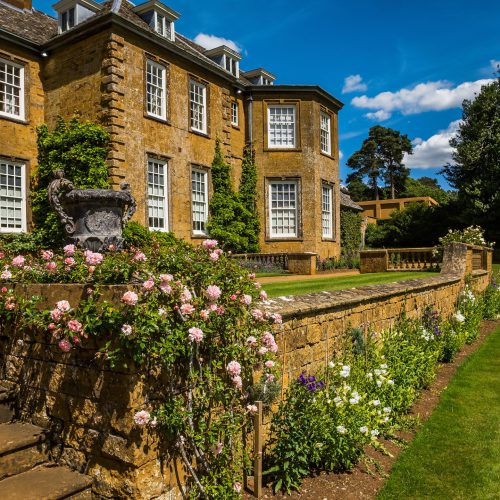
198 132
235 126
270 239
327 155
282 150
21 121
157 119
329 240
199 236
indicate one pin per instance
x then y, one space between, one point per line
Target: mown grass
496 268
456 454
338 283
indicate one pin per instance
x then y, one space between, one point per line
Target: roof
33 26
346 202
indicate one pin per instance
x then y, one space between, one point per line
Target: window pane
234 113
327 211
325 133
283 209
199 199
197 101
155 89
281 126
12 196
157 195
11 89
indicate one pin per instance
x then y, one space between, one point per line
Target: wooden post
257 447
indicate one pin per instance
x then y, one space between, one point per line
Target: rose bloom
252 408
212 307
4 289
257 314
187 309
251 276
64 345
273 347
63 305
166 277
69 261
214 257
56 314
251 341
262 295
233 368
195 335
186 295
269 377
263 350
257 285
47 254
237 486
204 314
51 266
277 318
92 258
18 261
246 299
130 298
209 244
269 364
166 289
237 382
220 311
213 292
149 284
139 257
126 329
267 338
10 304
74 325
51 326
217 449
6 275
142 417
69 250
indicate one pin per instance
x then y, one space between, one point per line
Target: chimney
20 4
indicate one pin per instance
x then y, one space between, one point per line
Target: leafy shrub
492 300
350 260
473 235
350 231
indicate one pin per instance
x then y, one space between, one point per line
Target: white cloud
494 64
353 83
341 155
433 152
379 115
430 96
212 41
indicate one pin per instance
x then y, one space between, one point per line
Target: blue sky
410 63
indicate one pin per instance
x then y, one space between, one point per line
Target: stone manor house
165 100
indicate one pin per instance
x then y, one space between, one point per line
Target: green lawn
338 283
456 454
496 268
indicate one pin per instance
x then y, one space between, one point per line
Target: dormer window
226 58
259 77
159 17
73 12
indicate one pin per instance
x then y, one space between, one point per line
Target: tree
230 221
381 156
415 187
358 190
475 171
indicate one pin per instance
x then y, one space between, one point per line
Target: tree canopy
381 158
475 171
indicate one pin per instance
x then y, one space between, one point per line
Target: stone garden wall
88 408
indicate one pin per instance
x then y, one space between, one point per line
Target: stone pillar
373 261
302 263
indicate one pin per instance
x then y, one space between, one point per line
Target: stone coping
297 306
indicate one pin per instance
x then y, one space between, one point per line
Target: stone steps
25 471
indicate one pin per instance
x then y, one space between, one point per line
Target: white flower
384 366
341 429
386 409
369 375
374 432
458 316
331 364
345 372
390 382
363 429
375 402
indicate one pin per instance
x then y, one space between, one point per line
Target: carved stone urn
92 218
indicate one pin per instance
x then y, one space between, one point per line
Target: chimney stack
20 4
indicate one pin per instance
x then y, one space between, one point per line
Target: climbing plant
350 231
80 149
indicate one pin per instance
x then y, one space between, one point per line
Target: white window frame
273 229
21 90
234 113
326 133
204 204
198 106
162 199
153 88
165 29
271 121
21 199
327 211
65 26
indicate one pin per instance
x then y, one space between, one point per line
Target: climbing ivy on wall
78 148
350 231
231 221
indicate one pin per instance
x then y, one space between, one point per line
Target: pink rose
126 329
234 297
209 244
257 314
220 311
69 261
195 335
269 377
142 417
237 382
263 350
51 326
237 486
186 295
51 266
18 261
204 314
64 345
251 276
269 364
214 257
187 309
69 250
63 306
93 258
246 299
6 275
56 314
166 277
233 368
273 347
130 298
262 295
4 289
149 284
251 341
139 257
75 326
166 289
213 292
217 449
47 254
252 408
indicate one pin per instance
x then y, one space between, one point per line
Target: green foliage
476 168
473 235
25 243
358 190
425 186
230 221
381 156
190 319
350 231
78 148
138 236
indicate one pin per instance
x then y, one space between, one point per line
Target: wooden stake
257 447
